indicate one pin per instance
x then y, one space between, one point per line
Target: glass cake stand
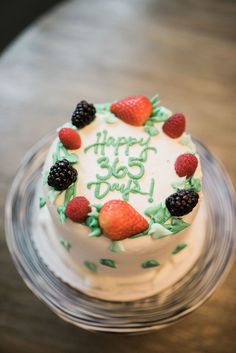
137 316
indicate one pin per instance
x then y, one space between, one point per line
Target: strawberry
174 126
133 110
77 209
119 220
69 138
186 164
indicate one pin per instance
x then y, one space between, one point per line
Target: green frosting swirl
187 184
93 223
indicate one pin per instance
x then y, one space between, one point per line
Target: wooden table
103 50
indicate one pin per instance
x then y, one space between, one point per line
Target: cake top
124 169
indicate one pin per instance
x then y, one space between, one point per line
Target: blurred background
15 15
55 53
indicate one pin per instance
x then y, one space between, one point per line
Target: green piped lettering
134 171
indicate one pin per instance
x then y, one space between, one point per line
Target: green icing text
134 169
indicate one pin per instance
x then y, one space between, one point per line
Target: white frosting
159 166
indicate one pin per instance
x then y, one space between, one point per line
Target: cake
121 200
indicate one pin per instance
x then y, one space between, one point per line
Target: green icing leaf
65 244
90 266
156 119
61 210
155 100
178 183
160 114
179 248
187 184
151 211
158 231
93 223
108 263
110 118
45 177
150 263
116 246
149 124
195 184
186 140
42 201
54 158
63 152
151 130
72 158
96 232
101 107
158 213
52 195
142 233
69 193
176 225
97 206
56 154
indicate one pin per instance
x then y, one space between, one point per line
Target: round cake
121 200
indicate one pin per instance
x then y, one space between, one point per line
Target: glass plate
143 315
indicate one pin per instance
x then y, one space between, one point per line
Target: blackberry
83 115
62 175
182 202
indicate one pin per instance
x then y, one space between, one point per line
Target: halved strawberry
133 110
119 220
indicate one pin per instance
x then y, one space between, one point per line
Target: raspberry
186 164
174 126
182 202
83 115
69 138
62 175
77 209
